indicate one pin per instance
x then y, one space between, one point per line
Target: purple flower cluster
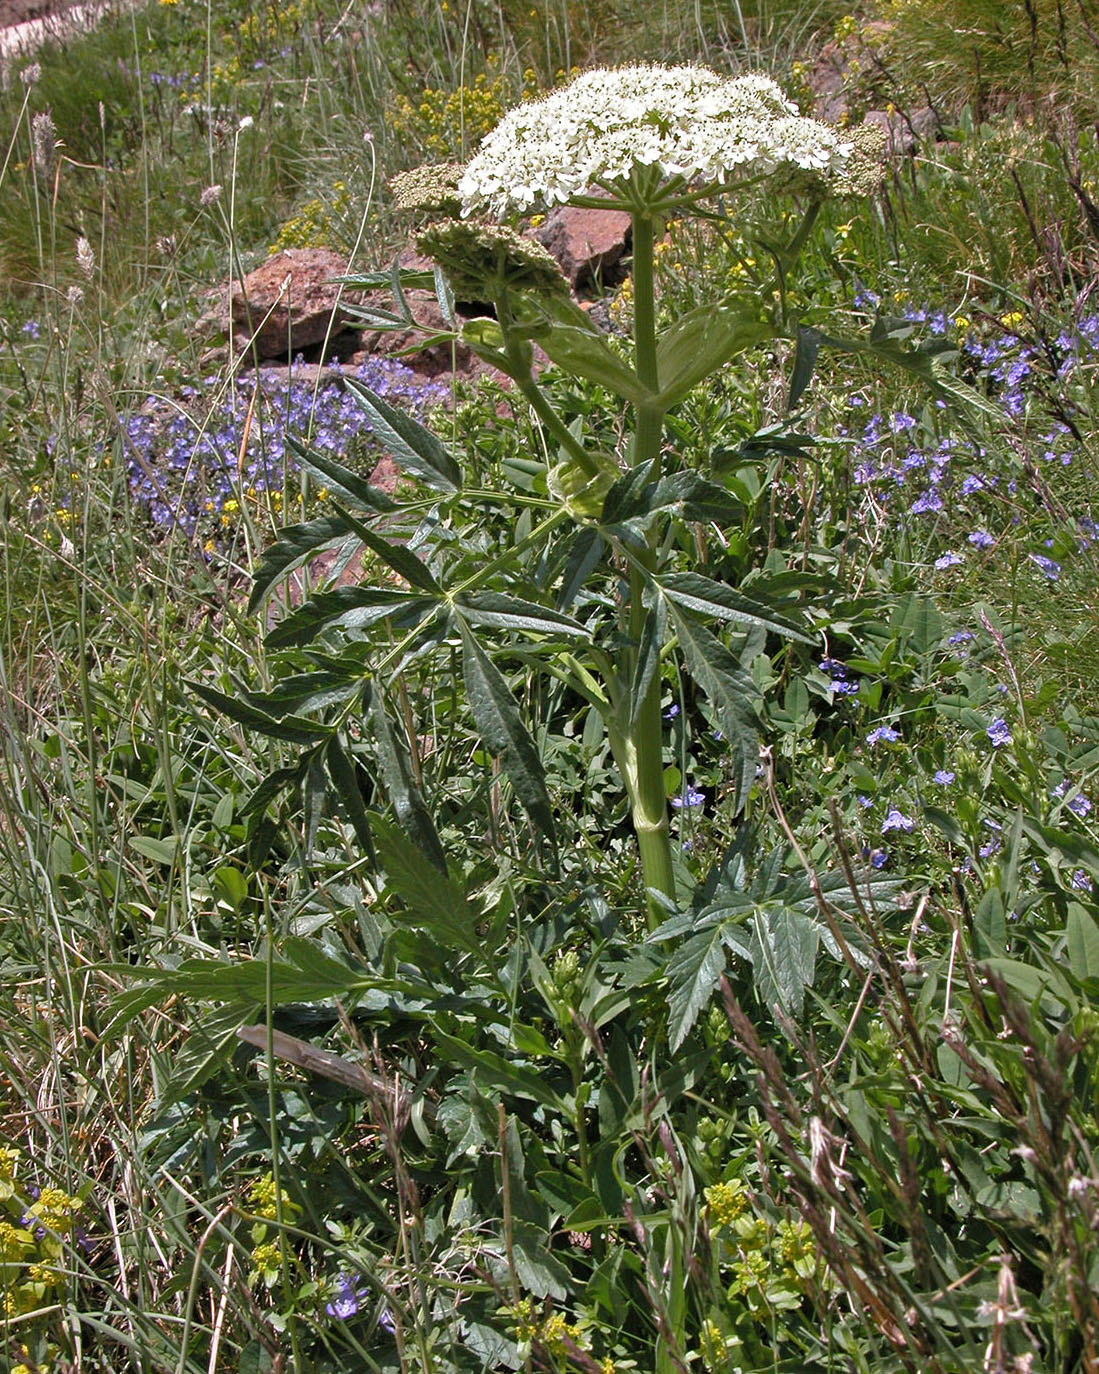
914 470
193 466
840 683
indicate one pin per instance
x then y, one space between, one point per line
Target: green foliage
838 1108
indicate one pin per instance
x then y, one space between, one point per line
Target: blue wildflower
690 797
347 1298
944 777
1081 881
883 732
950 559
927 503
1048 566
998 733
897 820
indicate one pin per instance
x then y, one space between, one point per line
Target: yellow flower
54 1209
726 1202
13 1242
266 1262
43 1274
711 1345
264 1200
1011 319
8 1158
962 323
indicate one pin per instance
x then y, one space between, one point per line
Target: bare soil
19 11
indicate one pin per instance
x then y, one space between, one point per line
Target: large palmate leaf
302 972
722 602
732 694
351 608
805 360
341 769
695 498
433 902
637 495
293 728
772 920
694 971
411 445
307 692
340 480
294 546
496 1075
401 788
513 613
921 362
497 715
783 951
400 558
584 555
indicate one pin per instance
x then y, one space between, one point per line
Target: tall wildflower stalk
654 142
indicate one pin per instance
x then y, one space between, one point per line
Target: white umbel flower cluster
688 124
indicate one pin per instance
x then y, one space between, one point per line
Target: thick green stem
644 301
638 746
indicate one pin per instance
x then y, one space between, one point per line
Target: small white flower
209 195
688 125
245 123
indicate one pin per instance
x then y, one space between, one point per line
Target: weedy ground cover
813 1086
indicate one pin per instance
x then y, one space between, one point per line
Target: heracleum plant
607 582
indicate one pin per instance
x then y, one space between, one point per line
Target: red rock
588 244
287 305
